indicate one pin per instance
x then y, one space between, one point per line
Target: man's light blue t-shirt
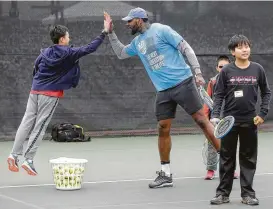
157 49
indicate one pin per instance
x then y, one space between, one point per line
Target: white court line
115 181
162 203
21 202
127 205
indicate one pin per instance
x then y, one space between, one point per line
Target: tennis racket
226 124
209 153
205 97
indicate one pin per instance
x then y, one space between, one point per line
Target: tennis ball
81 169
65 182
59 183
72 182
66 169
78 180
66 176
71 170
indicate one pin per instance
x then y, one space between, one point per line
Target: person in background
220 63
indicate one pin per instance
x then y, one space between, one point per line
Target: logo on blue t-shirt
148 49
142 47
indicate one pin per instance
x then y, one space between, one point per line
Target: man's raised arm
118 47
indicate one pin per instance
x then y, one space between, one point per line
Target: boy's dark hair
56 32
236 41
222 57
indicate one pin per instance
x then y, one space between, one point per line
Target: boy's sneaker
250 200
29 167
210 175
13 163
162 180
219 199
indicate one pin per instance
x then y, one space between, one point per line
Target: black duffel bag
68 132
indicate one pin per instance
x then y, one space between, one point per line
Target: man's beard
134 30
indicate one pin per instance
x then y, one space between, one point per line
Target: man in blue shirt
161 50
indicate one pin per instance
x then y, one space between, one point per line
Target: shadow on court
118 173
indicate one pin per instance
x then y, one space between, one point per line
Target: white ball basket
68 172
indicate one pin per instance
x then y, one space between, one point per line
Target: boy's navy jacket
57 67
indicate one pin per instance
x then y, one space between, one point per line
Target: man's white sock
165 167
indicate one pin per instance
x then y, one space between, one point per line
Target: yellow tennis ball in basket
76 168
56 177
66 176
58 182
66 169
65 182
72 182
78 180
71 170
81 169
61 184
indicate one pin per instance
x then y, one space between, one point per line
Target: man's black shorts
185 94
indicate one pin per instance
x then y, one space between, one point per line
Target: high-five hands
108 23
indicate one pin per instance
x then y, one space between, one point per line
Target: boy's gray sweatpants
39 111
212 158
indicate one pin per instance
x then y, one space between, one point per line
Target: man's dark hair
237 40
222 57
56 32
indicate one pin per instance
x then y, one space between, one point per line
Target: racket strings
224 126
